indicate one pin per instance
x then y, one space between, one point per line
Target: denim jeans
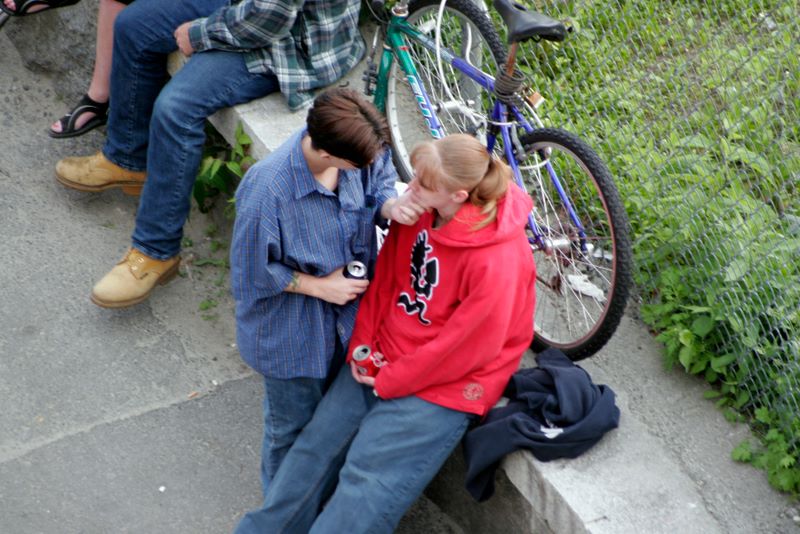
158 125
383 452
288 406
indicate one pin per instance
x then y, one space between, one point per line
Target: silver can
355 270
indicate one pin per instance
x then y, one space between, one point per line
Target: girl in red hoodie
451 311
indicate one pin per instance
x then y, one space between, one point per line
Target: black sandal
68 121
24 6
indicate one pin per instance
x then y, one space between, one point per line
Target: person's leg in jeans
288 407
400 446
143 37
308 473
210 81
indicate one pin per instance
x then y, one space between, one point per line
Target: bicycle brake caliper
370 77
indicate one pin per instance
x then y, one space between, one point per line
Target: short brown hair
343 124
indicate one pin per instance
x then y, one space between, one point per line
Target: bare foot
83 118
85 113
11 6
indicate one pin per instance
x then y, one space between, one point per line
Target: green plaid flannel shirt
306 43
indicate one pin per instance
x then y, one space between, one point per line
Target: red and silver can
356 270
368 363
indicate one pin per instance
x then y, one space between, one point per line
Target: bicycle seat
523 24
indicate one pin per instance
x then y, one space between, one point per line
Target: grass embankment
694 106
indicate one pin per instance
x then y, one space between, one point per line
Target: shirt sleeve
256 249
247 25
384 175
473 336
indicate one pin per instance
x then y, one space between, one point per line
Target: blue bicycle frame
397 29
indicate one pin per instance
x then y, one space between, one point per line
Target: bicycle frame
397 31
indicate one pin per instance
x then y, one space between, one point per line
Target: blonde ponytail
460 161
490 189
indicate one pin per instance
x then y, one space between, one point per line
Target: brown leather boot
96 173
133 279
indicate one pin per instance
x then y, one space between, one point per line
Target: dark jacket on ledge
554 411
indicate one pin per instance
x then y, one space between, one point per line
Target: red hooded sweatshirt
451 309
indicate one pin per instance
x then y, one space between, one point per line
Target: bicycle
432 60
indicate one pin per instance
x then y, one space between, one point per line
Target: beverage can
368 363
355 270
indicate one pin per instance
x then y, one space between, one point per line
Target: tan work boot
133 279
96 173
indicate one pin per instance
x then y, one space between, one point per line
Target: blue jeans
288 407
383 452
158 125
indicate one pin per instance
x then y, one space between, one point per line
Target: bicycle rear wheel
460 103
583 276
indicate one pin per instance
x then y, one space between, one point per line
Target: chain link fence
694 107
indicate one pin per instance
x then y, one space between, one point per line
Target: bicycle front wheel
461 104
583 257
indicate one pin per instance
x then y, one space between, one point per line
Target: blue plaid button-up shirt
306 43
286 221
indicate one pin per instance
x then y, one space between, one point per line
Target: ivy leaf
698 366
697 309
719 363
686 337
762 414
235 168
741 399
702 325
686 356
